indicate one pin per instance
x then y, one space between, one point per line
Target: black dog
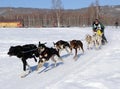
60 45
24 52
45 53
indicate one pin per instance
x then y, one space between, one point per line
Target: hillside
111 10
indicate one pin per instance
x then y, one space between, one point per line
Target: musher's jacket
98 26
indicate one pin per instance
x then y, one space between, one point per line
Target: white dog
89 41
94 40
97 40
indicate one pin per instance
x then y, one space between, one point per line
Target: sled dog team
45 53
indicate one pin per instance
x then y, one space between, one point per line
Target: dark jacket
98 26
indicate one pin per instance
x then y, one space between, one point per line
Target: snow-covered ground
95 69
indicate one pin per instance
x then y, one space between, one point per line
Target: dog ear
11 46
39 42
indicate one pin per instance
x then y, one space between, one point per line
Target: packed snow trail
95 69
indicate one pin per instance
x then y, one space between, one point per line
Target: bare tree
57 8
91 13
97 8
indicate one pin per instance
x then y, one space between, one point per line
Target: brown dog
76 44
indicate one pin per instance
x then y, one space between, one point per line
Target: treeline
49 18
